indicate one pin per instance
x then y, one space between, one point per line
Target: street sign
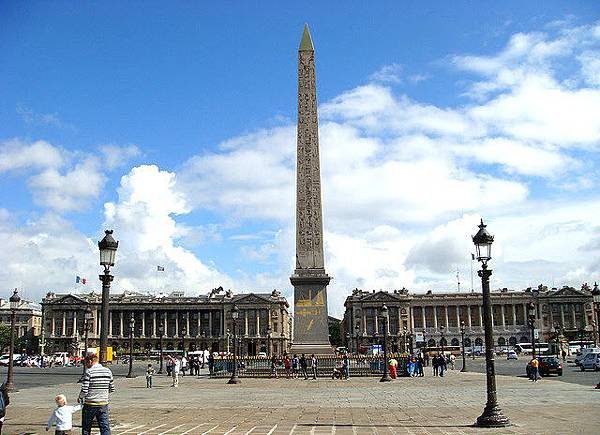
536 333
419 337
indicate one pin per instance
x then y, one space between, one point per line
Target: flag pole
472 258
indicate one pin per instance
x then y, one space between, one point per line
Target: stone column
121 324
187 324
64 324
210 318
400 325
551 315
245 322
514 314
376 323
480 317
257 313
52 325
412 318
176 324
562 315
435 322
424 318
199 322
502 315
573 316
165 324
469 323
458 316
364 323
446 317
75 322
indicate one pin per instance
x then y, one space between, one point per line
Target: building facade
563 314
28 320
181 322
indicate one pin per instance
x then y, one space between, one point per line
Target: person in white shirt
62 416
175 371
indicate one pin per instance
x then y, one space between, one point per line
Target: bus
525 348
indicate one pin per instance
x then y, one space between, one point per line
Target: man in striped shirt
97 384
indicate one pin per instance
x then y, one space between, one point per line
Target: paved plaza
358 406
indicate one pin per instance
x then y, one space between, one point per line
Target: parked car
583 352
549 365
590 361
511 355
5 358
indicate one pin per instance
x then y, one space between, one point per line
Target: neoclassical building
185 322
28 317
567 310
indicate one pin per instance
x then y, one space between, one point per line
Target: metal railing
257 367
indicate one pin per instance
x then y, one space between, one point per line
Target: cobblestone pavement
358 406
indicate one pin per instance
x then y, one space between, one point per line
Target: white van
583 352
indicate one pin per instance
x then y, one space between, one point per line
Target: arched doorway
455 342
443 342
431 342
524 339
251 348
501 341
467 342
170 345
479 341
512 341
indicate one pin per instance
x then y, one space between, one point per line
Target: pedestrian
393 364
149 373
96 386
346 366
274 366
304 366
441 365
169 365
184 365
452 359
313 365
211 364
534 364
287 364
175 368
4 402
420 366
295 365
434 364
410 366
62 416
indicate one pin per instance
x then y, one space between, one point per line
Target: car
511 355
5 358
590 361
583 352
549 365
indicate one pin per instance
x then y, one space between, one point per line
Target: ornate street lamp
596 296
385 317
462 342
531 323
442 328
108 250
424 342
269 331
357 333
131 328
15 300
492 414
88 317
404 343
235 313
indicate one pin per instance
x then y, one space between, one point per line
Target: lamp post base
130 375
492 417
464 369
234 380
385 378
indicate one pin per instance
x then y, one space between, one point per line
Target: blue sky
175 126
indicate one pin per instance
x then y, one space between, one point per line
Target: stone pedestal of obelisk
311 331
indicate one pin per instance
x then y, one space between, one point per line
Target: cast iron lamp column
88 318
15 300
108 250
492 414
404 343
596 305
531 323
161 332
131 327
234 316
462 342
385 318
442 328
357 329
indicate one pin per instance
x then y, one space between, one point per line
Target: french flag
78 280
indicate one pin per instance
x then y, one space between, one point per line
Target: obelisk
311 332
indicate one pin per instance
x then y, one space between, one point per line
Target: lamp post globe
385 317
15 301
108 251
492 414
131 330
235 313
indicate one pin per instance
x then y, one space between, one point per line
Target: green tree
335 334
4 336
